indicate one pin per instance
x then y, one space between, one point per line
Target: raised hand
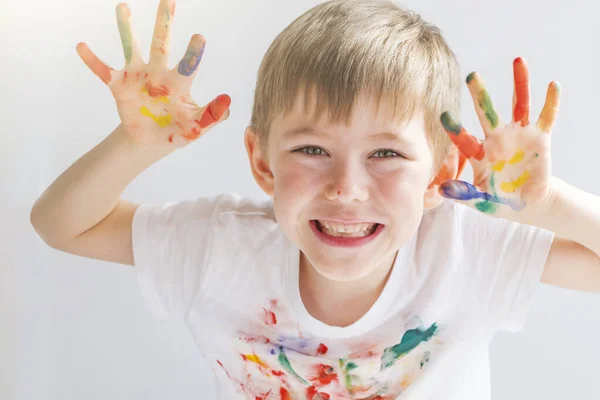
511 167
154 102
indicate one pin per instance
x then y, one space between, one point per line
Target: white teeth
341 230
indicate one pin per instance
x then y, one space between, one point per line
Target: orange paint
154 91
214 111
269 317
521 76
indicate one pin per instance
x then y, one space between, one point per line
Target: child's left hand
511 167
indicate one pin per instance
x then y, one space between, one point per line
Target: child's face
344 175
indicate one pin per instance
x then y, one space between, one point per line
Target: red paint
325 374
171 138
312 393
214 111
157 91
269 317
285 395
322 350
521 76
125 77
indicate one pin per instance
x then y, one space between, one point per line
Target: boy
357 279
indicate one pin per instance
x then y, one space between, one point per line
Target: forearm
573 214
91 188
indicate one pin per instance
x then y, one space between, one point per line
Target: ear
258 162
452 168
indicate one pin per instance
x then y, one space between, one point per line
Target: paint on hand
161 120
124 23
214 111
410 340
521 77
511 187
483 98
468 145
193 55
464 191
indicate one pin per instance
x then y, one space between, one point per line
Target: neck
341 303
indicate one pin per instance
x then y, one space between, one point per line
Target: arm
87 195
574 258
81 212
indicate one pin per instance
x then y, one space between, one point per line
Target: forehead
366 114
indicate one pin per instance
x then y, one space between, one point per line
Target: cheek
403 186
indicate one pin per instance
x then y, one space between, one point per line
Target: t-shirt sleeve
504 262
172 246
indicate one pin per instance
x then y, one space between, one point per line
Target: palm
154 102
511 167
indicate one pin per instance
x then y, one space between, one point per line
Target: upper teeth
346 228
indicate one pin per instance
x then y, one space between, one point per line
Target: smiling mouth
334 233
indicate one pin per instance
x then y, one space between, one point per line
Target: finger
488 118
468 145
102 71
550 111
131 46
215 111
465 193
161 40
521 100
189 63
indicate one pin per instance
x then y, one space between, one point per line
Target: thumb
215 112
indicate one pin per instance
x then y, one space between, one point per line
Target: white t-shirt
224 266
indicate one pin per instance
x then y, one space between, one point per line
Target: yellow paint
499 166
517 158
157 99
511 187
256 360
406 381
161 120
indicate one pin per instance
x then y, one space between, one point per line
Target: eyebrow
310 131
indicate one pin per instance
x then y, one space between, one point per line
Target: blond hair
347 48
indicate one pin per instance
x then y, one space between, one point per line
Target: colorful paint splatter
277 365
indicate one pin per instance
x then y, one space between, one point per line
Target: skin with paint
154 102
511 167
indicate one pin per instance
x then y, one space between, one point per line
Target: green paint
126 34
346 367
410 340
425 359
487 207
485 102
285 363
470 77
557 86
450 123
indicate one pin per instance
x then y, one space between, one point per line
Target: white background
73 328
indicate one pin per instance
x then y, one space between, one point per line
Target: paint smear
410 340
124 23
161 120
214 111
483 98
193 55
521 76
511 187
468 145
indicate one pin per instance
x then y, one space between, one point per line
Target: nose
346 184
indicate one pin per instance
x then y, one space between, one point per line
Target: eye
387 153
310 150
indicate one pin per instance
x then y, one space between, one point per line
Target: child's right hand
154 103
